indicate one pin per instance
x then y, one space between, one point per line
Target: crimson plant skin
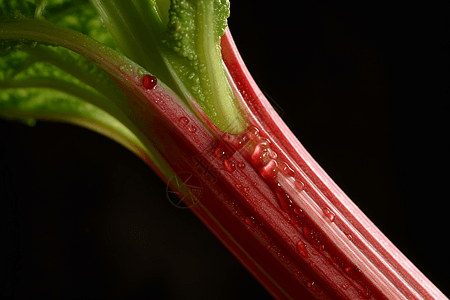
362 86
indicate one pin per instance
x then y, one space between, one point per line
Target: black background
364 86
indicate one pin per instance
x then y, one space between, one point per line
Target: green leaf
42 84
53 83
39 100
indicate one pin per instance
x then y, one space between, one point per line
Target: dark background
364 86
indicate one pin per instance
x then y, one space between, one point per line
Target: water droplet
149 81
192 129
219 152
299 186
311 235
240 142
298 211
285 201
270 171
353 272
301 247
264 143
229 165
321 248
252 132
349 236
329 214
250 221
257 156
310 284
183 121
286 169
241 165
270 154
246 189
344 286
238 186
366 293
122 67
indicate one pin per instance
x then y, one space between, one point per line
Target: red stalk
406 281
282 217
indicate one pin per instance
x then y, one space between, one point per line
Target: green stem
63 86
84 71
224 107
134 38
106 58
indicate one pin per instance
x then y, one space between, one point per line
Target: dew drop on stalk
310 234
272 155
250 221
286 169
238 186
349 236
252 133
344 286
353 272
246 189
270 171
229 165
366 293
285 200
299 186
240 142
183 121
256 156
149 81
298 211
310 284
192 129
329 214
219 152
301 247
241 165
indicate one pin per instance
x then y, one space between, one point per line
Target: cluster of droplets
225 152
258 151
132 70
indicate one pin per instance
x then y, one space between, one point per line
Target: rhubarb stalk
263 196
